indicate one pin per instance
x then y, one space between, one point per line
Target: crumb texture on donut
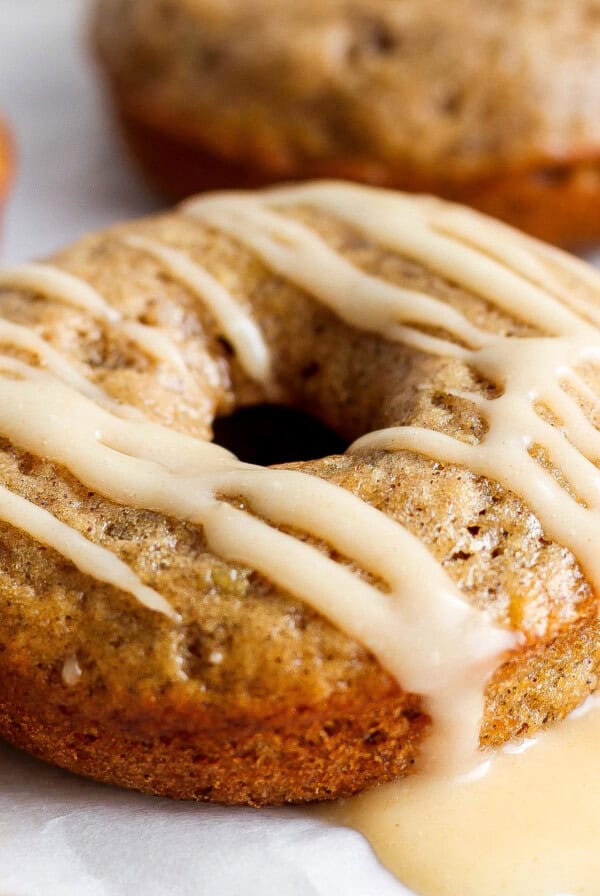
483 102
246 693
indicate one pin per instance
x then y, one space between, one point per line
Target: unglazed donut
176 621
491 104
6 161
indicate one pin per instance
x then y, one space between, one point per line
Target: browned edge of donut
191 751
555 201
7 162
328 750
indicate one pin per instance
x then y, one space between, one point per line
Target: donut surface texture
491 104
179 623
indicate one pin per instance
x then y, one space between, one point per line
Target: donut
490 104
179 621
6 162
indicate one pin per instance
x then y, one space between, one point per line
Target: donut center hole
270 434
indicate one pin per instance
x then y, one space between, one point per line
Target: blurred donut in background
492 104
6 162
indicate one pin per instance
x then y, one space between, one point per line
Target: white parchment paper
61 835
64 836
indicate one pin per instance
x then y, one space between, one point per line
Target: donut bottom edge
299 753
557 202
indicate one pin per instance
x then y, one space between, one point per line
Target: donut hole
268 434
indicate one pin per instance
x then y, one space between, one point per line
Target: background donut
484 103
6 162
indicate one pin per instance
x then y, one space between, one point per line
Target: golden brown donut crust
484 103
6 162
293 710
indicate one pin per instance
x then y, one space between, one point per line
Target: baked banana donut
177 621
491 104
6 162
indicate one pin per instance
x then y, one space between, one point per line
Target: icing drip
421 631
530 814
417 625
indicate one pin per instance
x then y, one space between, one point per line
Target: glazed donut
181 622
491 104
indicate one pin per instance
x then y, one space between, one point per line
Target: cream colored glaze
422 631
528 370
234 321
16 336
420 628
525 823
47 281
85 555
434 232
301 256
50 282
156 343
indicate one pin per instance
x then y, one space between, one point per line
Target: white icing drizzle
47 280
420 631
525 256
301 256
420 628
530 371
51 282
157 344
429 231
529 814
495 266
234 321
88 557
21 337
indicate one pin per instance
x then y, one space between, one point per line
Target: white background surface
59 835
72 175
